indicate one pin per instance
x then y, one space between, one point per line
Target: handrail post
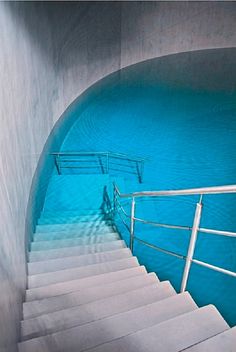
132 224
107 163
192 243
142 168
57 163
114 200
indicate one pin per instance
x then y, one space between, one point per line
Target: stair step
75 251
100 331
81 272
173 335
224 342
79 315
83 284
77 261
60 219
70 242
66 213
73 233
71 227
53 304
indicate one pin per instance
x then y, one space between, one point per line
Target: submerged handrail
105 158
195 228
113 154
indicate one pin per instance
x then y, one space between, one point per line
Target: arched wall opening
179 112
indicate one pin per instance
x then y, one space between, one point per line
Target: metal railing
195 228
103 162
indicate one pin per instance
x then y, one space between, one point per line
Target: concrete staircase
86 291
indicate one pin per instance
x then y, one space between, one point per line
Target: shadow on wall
79 33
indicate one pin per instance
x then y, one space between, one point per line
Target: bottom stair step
92 334
224 342
173 335
53 304
79 315
81 284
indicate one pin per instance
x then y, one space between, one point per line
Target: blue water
182 118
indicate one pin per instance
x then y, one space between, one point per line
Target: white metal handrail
62 160
182 192
195 228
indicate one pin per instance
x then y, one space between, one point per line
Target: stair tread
76 261
48 213
75 250
173 335
62 227
52 304
70 242
81 284
79 315
88 292
107 329
58 219
72 233
80 272
223 342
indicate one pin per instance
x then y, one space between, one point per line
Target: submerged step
173 335
75 251
70 242
73 233
79 315
70 227
65 213
107 329
82 284
53 304
80 272
76 261
62 219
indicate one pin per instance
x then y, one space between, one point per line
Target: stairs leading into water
86 291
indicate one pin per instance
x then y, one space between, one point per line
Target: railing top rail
113 154
181 192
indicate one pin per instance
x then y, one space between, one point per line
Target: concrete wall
50 53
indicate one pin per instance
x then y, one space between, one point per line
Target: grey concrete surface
112 327
81 284
76 261
46 279
78 315
50 53
226 341
52 304
177 334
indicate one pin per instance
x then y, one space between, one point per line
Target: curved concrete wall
50 53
